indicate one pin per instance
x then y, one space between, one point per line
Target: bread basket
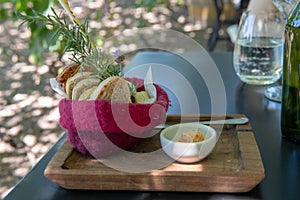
99 128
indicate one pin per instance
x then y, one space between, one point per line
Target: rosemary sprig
103 64
75 36
77 41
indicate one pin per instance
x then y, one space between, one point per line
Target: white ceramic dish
187 152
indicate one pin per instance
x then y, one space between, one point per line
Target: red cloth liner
101 127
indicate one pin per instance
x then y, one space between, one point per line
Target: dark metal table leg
215 34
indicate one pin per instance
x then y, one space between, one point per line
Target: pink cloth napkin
100 127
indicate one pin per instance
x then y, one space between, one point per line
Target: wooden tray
235 165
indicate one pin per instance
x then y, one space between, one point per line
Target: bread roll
71 82
70 71
113 89
83 85
67 73
87 93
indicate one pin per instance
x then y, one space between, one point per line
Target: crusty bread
85 95
112 89
66 73
83 85
71 82
69 71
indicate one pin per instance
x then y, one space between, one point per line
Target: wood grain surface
234 165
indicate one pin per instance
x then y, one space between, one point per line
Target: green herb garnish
77 41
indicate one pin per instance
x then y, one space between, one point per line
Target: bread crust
84 85
78 86
71 82
87 93
112 89
67 72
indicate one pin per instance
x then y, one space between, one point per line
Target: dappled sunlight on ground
28 109
29 116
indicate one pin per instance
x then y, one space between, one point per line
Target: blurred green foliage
39 41
150 4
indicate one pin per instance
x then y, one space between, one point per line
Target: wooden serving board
234 165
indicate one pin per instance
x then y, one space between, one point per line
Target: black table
281 159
